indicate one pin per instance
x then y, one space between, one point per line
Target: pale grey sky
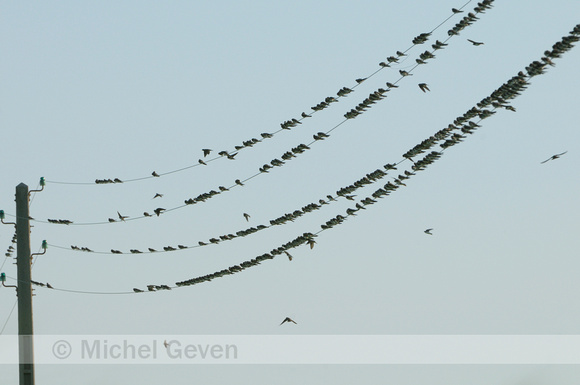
95 90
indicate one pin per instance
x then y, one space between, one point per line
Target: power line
249 143
508 91
301 148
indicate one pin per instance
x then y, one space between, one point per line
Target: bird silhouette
360 80
239 182
154 174
288 254
48 285
166 344
247 216
405 73
475 43
122 217
202 162
157 195
428 231
455 10
424 87
158 210
206 152
137 290
391 85
554 157
288 319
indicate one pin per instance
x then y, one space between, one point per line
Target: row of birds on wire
500 98
344 91
503 95
345 192
294 152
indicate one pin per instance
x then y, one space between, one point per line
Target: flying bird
428 231
166 344
554 157
247 216
206 152
122 217
424 87
288 319
475 43
158 210
157 195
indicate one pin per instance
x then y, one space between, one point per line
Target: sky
98 90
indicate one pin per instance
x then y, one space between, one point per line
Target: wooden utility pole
24 291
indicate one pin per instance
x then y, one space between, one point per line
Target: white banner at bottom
291 349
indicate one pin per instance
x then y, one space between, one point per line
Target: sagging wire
299 149
284 126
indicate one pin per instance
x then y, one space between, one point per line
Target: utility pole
24 290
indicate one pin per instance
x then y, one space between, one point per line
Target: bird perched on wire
424 87
247 216
48 285
360 80
405 73
122 217
137 290
455 10
288 319
553 157
475 43
202 162
428 231
155 174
